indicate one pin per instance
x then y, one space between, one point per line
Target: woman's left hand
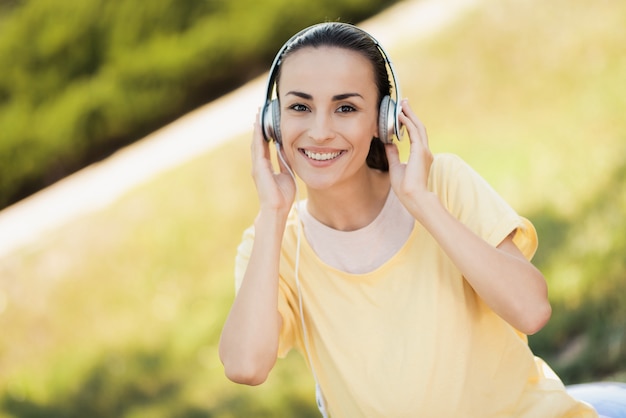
410 180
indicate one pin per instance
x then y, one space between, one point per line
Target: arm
249 341
501 275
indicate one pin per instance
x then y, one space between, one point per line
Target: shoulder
447 159
447 165
449 173
244 249
245 246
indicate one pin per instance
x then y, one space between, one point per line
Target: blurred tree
80 79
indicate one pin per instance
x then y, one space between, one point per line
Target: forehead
323 65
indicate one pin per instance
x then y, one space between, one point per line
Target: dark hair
347 36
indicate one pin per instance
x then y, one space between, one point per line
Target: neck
351 207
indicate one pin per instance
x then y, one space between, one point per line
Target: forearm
249 341
501 276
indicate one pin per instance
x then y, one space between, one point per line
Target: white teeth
321 156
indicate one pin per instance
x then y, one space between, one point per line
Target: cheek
361 126
291 128
366 130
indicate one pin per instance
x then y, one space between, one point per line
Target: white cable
319 396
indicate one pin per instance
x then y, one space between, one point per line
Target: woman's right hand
276 190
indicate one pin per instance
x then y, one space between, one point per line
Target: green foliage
119 313
130 327
79 79
587 267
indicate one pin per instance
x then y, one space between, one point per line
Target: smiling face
329 114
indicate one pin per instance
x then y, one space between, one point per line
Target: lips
322 156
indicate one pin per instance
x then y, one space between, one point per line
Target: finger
410 114
412 129
405 118
280 156
259 148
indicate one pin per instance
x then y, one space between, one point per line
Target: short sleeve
526 238
474 202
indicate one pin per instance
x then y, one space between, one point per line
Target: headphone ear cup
266 122
386 120
271 121
275 114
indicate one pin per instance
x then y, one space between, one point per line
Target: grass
119 313
125 307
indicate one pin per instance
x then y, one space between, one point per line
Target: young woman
406 286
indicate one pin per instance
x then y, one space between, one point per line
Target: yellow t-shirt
412 338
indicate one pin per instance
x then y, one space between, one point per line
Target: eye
299 107
345 109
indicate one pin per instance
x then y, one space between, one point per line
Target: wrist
271 219
424 206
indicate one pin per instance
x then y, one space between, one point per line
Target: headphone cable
319 396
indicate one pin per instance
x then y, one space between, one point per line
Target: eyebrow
336 97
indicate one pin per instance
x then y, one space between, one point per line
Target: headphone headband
388 114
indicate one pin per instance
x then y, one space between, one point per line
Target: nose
322 127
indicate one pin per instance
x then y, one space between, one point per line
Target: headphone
388 124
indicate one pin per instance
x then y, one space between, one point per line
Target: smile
322 156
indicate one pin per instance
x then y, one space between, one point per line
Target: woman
409 292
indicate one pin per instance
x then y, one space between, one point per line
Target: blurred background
117 313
